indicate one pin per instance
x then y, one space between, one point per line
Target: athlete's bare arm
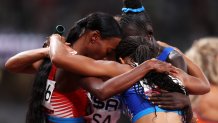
118 84
61 57
173 100
30 61
27 61
197 79
196 82
193 69
104 90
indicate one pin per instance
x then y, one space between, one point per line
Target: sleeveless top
136 103
64 107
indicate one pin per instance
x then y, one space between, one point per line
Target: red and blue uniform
64 107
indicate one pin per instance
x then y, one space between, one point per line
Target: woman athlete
137 49
61 94
136 22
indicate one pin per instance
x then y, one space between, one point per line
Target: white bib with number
50 85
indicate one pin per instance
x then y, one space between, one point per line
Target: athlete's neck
79 46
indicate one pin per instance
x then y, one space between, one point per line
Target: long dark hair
102 22
138 49
35 113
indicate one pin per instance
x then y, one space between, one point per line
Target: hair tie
125 10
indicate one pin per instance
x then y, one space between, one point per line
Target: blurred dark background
25 24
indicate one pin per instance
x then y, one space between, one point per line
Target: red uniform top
64 105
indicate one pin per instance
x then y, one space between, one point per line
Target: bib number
49 90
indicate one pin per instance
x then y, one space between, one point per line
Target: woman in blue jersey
135 21
134 50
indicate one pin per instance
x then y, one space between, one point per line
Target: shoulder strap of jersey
165 53
51 75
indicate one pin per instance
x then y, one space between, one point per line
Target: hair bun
134 4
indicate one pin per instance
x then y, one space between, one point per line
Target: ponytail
104 23
133 4
76 31
35 113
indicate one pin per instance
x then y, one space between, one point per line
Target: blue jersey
136 102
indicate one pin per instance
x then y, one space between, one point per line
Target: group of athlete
107 66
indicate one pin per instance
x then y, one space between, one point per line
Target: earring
121 60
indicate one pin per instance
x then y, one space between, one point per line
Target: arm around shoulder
85 66
27 61
196 82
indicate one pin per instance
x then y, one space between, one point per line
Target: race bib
50 85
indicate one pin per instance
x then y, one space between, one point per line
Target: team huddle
107 67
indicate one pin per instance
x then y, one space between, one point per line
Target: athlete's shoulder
176 59
175 55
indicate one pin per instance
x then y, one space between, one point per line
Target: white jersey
108 111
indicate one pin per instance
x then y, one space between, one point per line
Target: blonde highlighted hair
204 53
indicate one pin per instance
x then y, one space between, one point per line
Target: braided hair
138 49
